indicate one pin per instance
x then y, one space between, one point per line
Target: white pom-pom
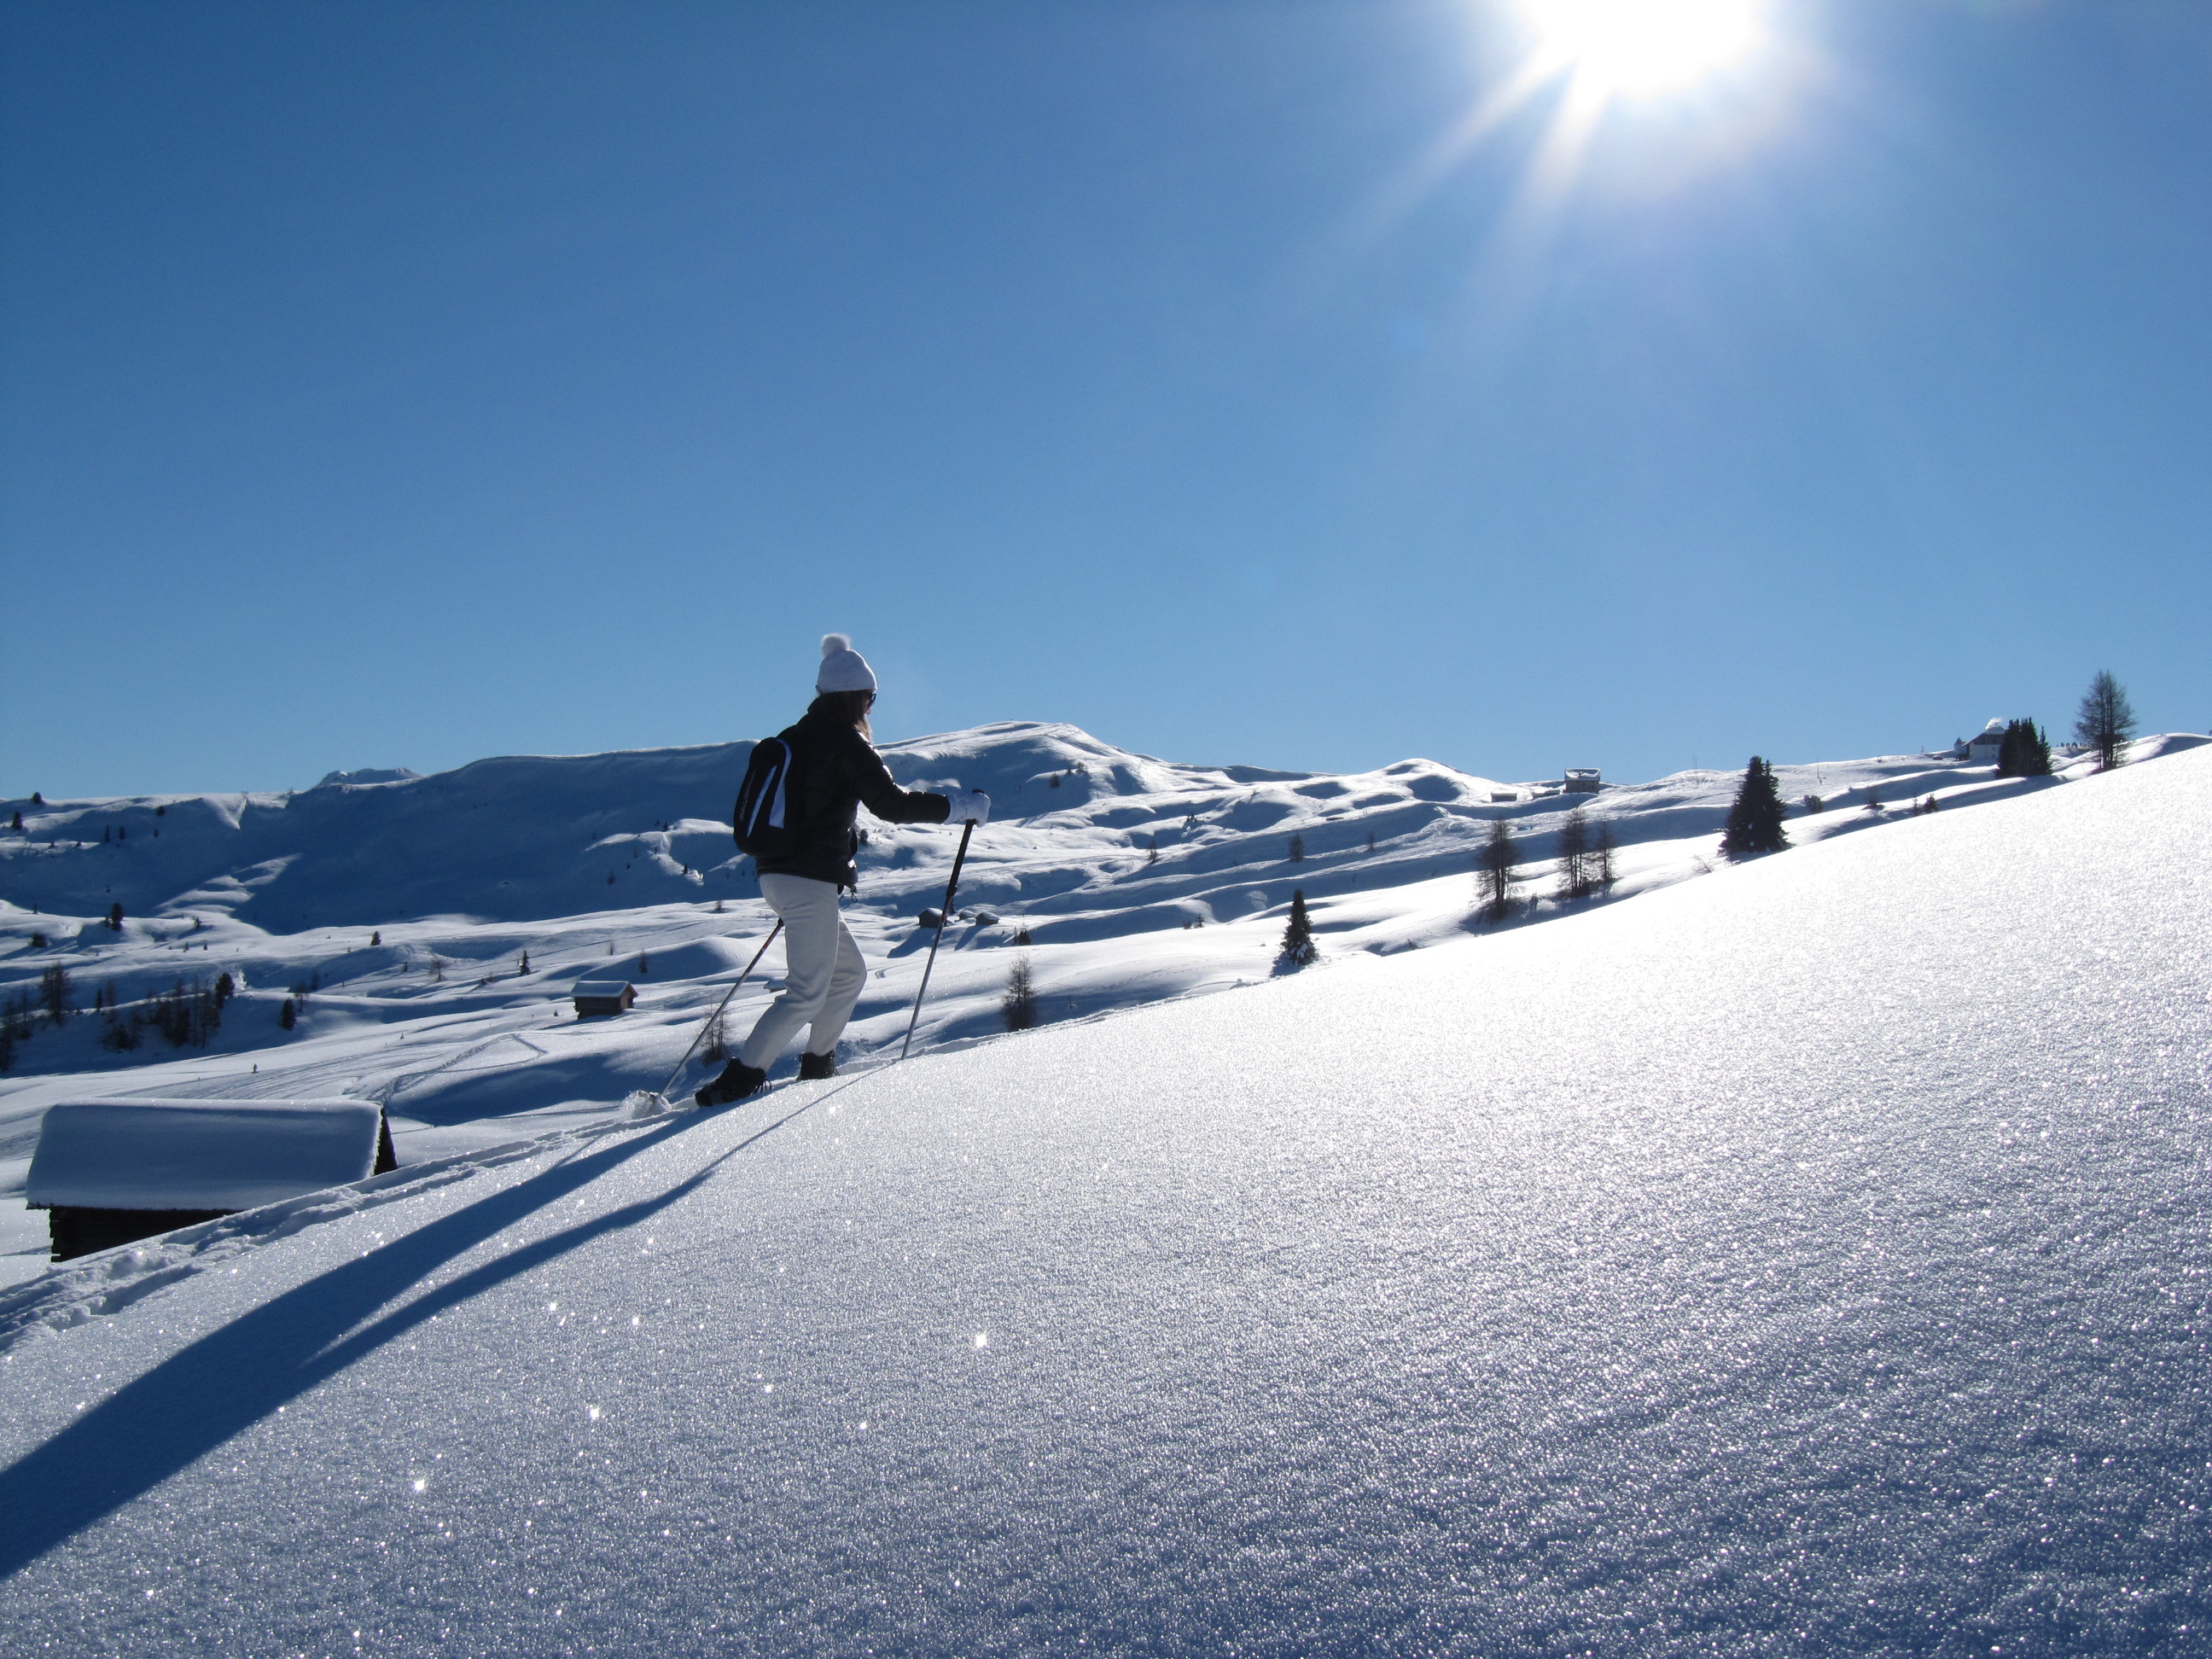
834 642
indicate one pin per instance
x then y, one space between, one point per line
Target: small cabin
604 996
111 1172
1982 749
1581 781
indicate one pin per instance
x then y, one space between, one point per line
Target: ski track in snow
1809 1259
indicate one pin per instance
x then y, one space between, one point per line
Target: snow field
408 905
1809 1259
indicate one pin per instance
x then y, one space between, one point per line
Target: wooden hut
604 996
110 1172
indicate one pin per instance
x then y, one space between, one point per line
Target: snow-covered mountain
1808 1259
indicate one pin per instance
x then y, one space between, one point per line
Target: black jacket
836 772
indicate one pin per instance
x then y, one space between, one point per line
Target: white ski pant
823 971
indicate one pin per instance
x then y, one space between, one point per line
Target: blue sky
389 384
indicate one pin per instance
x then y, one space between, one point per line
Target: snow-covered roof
602 987
199 1154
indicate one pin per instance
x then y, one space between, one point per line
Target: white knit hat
843 669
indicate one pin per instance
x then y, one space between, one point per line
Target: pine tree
1754 822
288 1015
1152 850
1298 950
644 963
1499 854
2036 752
115 916
57 993
225 988
1297 849
1574 856
1602 854
2105 720
2011 761
1019 1007
523 966
376 939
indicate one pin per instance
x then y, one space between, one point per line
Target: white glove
972 807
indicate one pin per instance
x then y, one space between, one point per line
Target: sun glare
1642 46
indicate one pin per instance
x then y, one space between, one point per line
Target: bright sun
1642 46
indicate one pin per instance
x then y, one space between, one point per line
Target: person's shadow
202 1395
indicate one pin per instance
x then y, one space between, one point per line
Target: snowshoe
737 1081
814 1066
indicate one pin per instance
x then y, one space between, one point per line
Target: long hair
847 707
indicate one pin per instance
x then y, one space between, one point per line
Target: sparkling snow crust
1810 1259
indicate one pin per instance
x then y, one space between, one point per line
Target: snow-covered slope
405 908
1809 1259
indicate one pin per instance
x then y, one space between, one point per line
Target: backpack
763 820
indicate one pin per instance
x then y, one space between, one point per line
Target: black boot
737 1081
812 1066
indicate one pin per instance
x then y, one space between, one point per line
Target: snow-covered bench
112 1172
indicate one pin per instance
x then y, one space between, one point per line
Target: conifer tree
225 988
115 916
1298 950
523 966
1019 1007
2010 761
288 1015
57 993
2105 720
2035 750
1499 854
1297 849
1574 856
1754 822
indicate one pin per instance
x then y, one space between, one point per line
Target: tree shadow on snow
230 1379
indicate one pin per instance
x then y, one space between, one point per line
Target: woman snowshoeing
835 771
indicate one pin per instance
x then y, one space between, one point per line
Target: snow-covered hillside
1808 1259
404 906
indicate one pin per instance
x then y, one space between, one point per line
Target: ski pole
724 1003
943 916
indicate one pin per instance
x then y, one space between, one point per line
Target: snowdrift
1807 1259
